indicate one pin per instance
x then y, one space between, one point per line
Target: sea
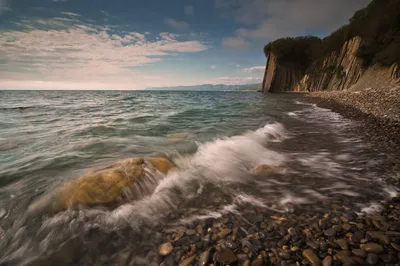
215 138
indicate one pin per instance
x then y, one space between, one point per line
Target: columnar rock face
338 71
280 78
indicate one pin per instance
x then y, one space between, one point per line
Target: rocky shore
377 110
256 237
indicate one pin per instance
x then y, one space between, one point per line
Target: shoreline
376 111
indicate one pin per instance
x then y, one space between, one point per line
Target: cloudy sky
137 44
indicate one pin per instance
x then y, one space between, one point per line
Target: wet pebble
327 261
372 259
372 247
311 257
165 249
330 232
225 257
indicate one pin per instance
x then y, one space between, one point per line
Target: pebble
285 255
358 236
344 257
190 232
359 252
395 246
165 249
372 247
187 261
226 257
204 258
372 259
327 261
330 232
311 257
257 262
343 244
224 232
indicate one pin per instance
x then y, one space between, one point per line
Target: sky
138 44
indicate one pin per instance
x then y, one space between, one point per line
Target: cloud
236 43
176 24
70 14
266 20
213 67
256 69
55 50
189 11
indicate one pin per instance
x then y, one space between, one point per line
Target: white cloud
213 67
176 24
55 50
237 65
256 69
189 11
266 20
70 14
236 43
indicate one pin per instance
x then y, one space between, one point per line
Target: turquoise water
215 139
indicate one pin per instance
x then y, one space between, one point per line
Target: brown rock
311 257
165 249
106 186
187 261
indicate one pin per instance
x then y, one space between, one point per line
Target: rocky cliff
280 78
337 71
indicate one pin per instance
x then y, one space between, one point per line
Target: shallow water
215 138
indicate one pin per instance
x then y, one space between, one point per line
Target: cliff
337 71
365 52
279 77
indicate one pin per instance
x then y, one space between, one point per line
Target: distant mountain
211 87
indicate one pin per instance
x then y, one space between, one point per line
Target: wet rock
181 241
168 261
327 261
359 252
351 216
372 259
372 248
346 227
165 249
224 232
311 257
383 239
105 186
292 231
188 261
344 257
395 246
285 255
204 258
199 229
226 257
190 232
330 232
337 228
343 244
358 236
323 246
257 262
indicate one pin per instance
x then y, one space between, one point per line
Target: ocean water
216 139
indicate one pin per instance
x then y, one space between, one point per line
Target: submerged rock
109 186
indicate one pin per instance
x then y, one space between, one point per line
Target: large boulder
109 186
